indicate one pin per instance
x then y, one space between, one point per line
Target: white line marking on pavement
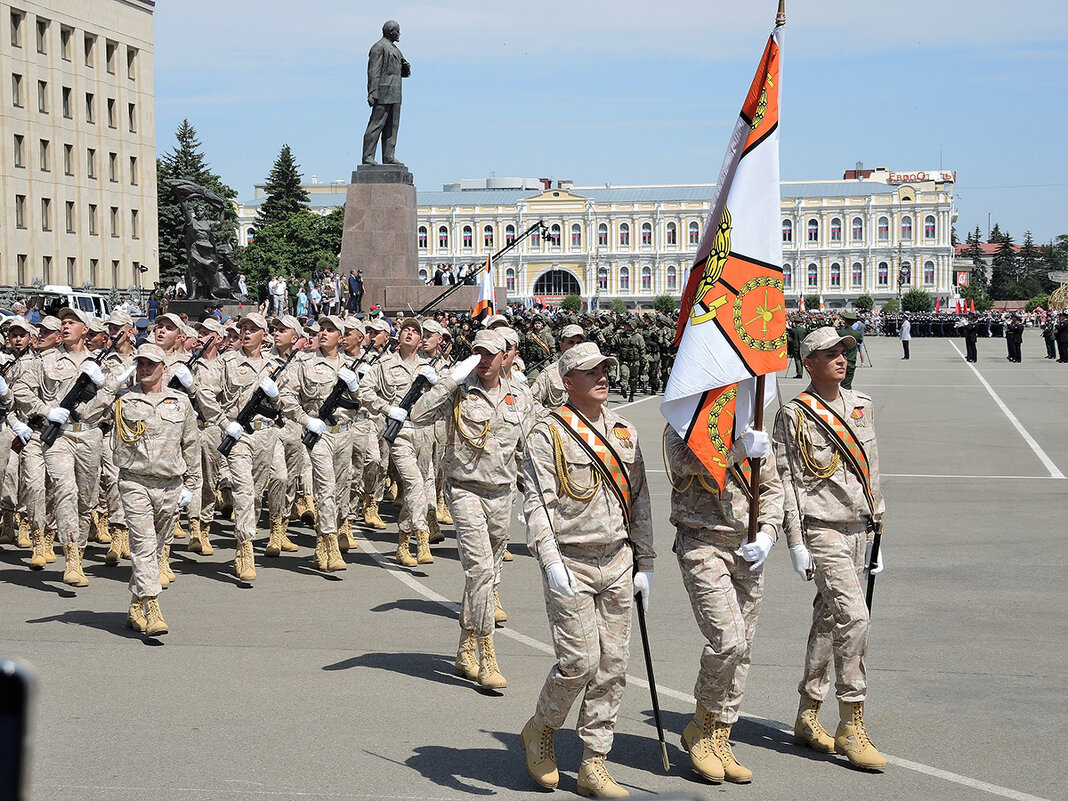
687 698
1041 454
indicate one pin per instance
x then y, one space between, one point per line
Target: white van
54 297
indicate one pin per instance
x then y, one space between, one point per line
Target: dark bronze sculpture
211 271
385 69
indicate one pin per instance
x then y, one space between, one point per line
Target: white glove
127 374
184 498
58 415
756 551
801 559
350 379
363 371
756 442
234 430
519 376
96 375
560 579
22 431
316 426
269 387
181 372
427 372
643 585
878 559
461 371
3 386
397 413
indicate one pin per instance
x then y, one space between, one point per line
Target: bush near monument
618 306
1038 302
890 307
812 302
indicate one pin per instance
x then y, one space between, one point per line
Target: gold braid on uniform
479 440
667 469
123 430
571 490
804 447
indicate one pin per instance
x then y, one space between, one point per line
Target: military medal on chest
623 435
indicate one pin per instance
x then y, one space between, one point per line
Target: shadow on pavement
47 580
420 605
433 667
111 622
476 771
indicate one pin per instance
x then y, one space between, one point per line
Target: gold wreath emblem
754 332
704 305
713 425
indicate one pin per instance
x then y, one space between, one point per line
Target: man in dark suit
385 68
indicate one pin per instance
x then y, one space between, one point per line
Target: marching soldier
118 367
548 389
369 431
588 523
288 484
156 448
845 330
537 346
431 439
828 461
20 334
201 509
632 354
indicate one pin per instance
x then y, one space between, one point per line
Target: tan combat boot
345 540
205 541
733 770
179 532
274 542
155 625
72 570
194 536
422 547
370 514
111 558
37 558
300 506
442 512
594 780
507 556
851 738
467 656
165 565
225 502
807 728
436 534
489 675
404 554
541 754
245 562
334 559
287 544
699 742
393 491
50 545
8 528
135 618
23 535
100 529
499 615
310 515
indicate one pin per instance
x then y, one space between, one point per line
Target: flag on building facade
732 324
484 306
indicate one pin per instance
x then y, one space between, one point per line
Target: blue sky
629 92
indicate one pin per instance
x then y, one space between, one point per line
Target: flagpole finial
780 17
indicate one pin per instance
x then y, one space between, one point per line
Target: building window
576 236
787 276
928 273
695 233
110 50
94 271
672 279
836 229
92 219
65 36
111 112
813 275
422 237
624 279
858 274
17 18
906 228
509 279
42 96
90 45
131 111
114 220
113 167
905 274
71 265
671 234
46 214
467 236
46 156
46 269
884 229
883 274
813 230
836 275
443 237
115 272
509 234
131 63
66 102
624 235
22 277
69 216
20 211
602 235
16 90
554 235
858 229
90 162
133 182
787 231
487 236
647 234
17 151
647 279
42 35
535 238
929 227
90 108
135 227
602 278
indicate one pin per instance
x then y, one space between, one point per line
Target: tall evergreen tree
185 160
1004 272
285 195
996 236
1028 262
974 251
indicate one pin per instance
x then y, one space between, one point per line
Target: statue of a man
385 68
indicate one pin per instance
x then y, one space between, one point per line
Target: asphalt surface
313 687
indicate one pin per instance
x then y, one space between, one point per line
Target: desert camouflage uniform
548 389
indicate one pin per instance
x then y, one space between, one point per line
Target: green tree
185 160
916 300
571 303
1004 270
618 306
812 302
1038 301
864 303
285 195
890 306
996 236
665 304
299 245
974 251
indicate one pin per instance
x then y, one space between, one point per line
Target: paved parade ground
310 686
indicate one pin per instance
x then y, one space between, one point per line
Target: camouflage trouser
294 455
73 465
109 487
653 363
412 517
251 462
151 507
211 462
839 614
9 484
331 468
481 520
427 457
591 636
375 452
32 481
726 597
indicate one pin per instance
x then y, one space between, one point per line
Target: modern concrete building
77 143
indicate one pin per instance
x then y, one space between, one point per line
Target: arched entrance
557 282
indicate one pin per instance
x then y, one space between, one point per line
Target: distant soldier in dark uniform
971 333
1049 336
1014 339
1061 331
797 333
845 330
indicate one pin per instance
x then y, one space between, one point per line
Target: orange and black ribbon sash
843 438
605 459
742 473
539 340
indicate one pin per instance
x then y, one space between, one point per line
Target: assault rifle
174 383
338 397
83 390
14 358
415 391
255 406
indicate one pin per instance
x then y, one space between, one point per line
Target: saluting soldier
588 524
828 461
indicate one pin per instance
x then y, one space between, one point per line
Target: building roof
987 248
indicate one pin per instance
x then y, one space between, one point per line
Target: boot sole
157 632
805 743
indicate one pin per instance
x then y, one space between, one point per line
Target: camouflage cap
584 356
572 331
150 352
255 318
823 338
77 314
490 341
510 335
119 317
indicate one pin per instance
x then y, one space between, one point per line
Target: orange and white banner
484 306
732 326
